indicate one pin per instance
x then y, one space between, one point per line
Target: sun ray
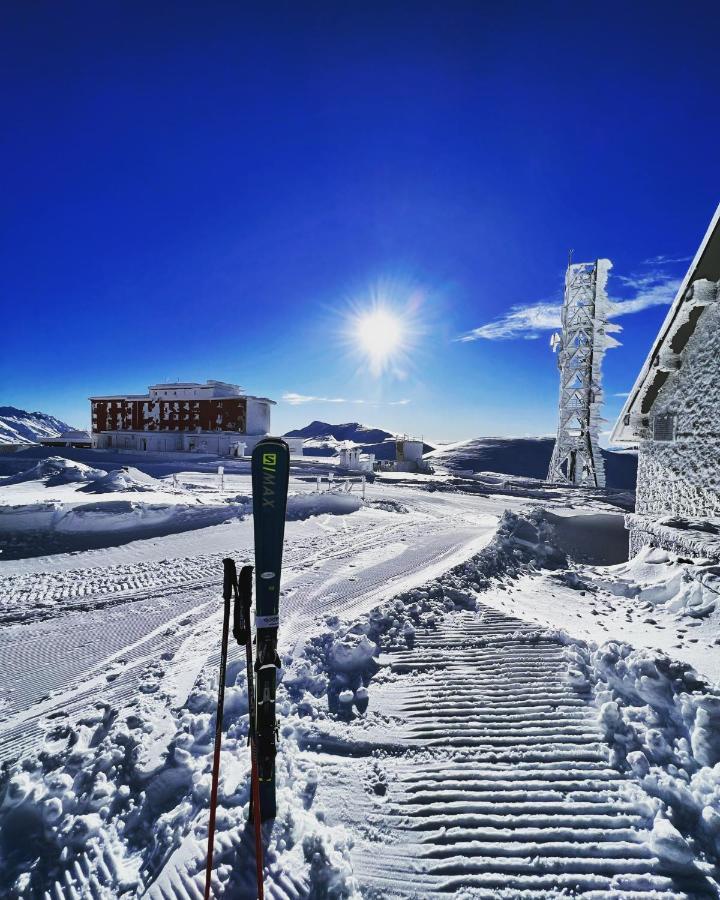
381 332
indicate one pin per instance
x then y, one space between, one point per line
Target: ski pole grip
245 582
243 599
229 578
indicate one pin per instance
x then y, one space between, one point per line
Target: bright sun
380 335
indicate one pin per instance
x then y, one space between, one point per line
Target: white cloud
657 293
663 260
531 321
297 399
526 322
398 403
622 394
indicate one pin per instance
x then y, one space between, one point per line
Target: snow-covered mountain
17 426
324 439
348 431
528 457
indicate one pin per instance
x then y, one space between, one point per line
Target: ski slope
437 739
100 629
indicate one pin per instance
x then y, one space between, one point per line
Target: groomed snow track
505 789
498 786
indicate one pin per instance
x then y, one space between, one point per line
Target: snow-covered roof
210 384
119 397
673 336
217 390
75 435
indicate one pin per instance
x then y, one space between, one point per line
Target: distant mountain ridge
18 426
324 439
526 457
347 431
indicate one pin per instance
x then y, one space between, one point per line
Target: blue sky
214 190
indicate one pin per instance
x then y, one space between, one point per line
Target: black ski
270 474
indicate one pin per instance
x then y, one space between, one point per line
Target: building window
664 427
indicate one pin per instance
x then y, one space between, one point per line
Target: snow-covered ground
479 697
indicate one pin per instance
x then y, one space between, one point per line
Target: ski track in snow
97 630
505 788
480 770
488 777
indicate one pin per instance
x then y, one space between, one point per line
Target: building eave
706 264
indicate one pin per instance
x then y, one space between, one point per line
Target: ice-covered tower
585 337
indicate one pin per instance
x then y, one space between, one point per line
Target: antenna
576 456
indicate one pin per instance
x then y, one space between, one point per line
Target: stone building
673 415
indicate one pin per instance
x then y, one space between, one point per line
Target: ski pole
243 635
228 590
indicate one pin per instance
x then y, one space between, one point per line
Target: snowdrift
658 577
38 529
303 506
55 470
125 479
662 722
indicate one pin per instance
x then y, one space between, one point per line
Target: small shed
352 458
69 439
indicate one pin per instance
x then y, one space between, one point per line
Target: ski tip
269 439
271 445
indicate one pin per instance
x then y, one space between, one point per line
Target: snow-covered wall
682 476
258 416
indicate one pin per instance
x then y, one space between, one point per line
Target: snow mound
662 722
56 470
659 577
38 529
134 781
303 506
125 479
521 544
352 653
388 505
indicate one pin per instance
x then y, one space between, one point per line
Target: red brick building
214 417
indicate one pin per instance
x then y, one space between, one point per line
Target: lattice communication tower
576 458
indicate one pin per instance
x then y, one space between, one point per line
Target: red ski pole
228 589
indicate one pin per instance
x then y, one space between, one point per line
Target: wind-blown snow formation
53 471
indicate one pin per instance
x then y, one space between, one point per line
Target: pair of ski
270 474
